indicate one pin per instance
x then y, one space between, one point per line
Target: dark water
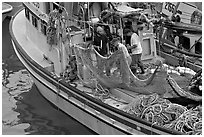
24 110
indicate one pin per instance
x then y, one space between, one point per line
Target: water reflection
26 112
14 83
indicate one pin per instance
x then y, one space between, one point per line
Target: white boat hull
76 112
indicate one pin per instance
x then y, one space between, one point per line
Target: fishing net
56 26
162 112
155 109
51 29
114 72
52 36
84 74
183 92
189 122
96 66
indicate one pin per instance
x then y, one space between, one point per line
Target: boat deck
118 98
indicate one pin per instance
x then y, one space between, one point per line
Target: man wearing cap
136 48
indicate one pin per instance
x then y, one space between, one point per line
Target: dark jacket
97 42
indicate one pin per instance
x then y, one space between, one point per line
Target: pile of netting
162 112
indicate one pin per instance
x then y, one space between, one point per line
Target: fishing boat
6 8
180 34
53 41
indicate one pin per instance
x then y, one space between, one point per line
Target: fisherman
100 41
116 42
136 48
128 25
101 46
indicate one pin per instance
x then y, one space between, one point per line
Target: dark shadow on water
44 119
6 40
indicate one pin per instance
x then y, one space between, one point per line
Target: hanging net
52 28
114 72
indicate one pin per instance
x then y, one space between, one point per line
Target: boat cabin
187 19
186 12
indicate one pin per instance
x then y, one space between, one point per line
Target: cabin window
43 27
27 14
198 48
34 21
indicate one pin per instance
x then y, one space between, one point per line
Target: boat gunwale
94 100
